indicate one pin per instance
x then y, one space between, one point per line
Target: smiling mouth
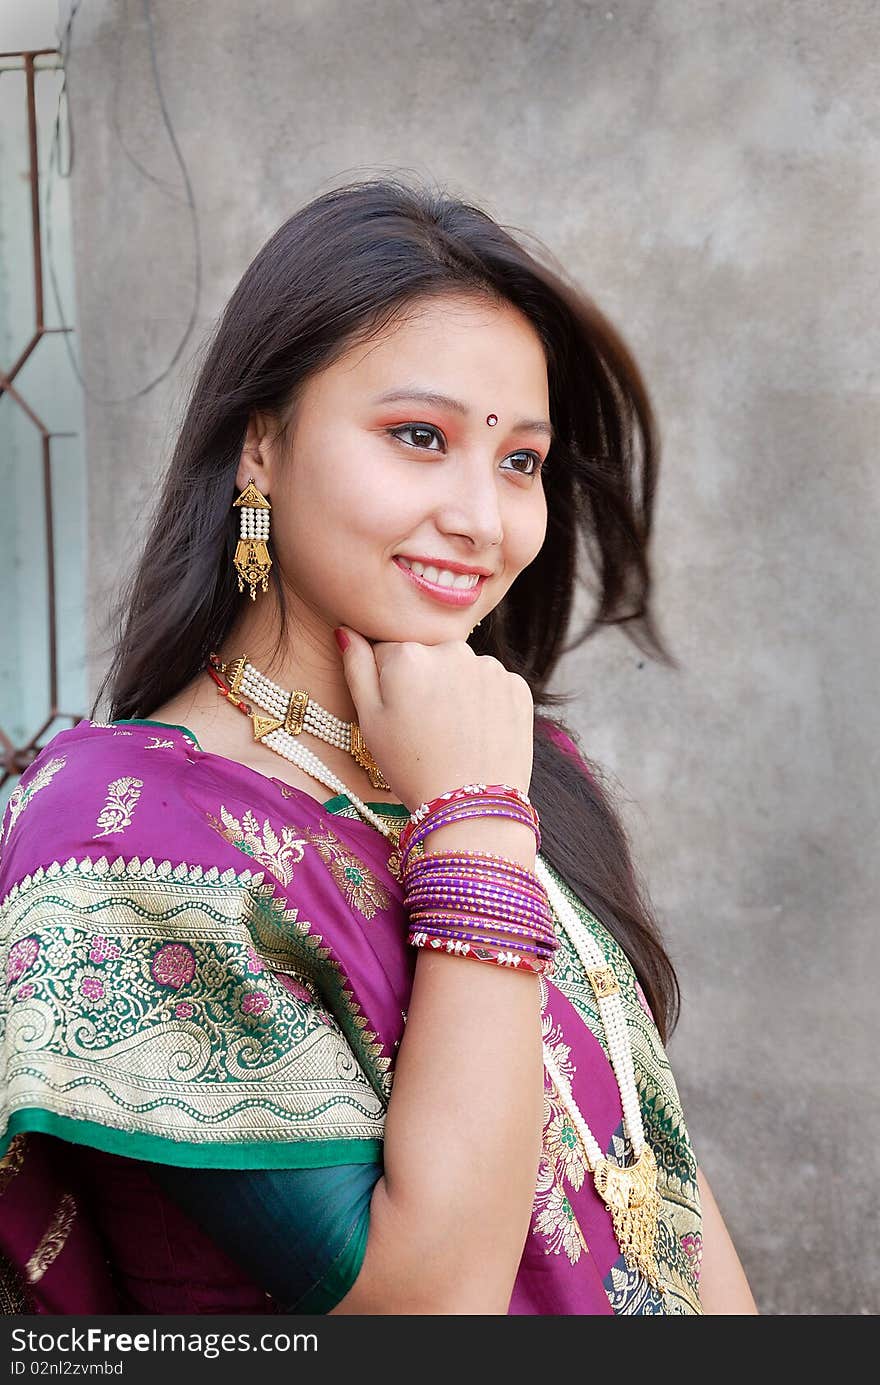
439 575
464 594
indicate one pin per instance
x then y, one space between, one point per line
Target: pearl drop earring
252 561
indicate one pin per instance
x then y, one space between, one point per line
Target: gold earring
252 561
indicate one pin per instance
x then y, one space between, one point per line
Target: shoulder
77 789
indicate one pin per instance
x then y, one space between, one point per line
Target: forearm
724 1289
449 1218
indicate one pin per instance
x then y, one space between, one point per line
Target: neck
315 664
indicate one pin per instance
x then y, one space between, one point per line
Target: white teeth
460 581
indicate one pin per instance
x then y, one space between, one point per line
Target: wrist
499 836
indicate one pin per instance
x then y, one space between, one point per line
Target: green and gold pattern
662 1117
357 884
278 854
114 1020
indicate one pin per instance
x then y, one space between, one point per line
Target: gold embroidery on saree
120 802
52 1241
278 855
357 883
562 1157
160 1017
11 1162
22 795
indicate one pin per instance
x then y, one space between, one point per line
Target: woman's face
371 479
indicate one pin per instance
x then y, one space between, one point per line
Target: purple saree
205 967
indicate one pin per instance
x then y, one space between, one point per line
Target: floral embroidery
355 879
562 1156
254 963
159 745
557 1222
92 990
183 1010
121 800
22 795
24 992
262 843
562 1144
692 1245
53 1240
295 988
12 1160
254 1003
173 965
101 950
22 956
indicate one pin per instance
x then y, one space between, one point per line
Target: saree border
157 1149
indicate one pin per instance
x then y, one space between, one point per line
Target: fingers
359 667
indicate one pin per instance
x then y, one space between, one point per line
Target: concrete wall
710 173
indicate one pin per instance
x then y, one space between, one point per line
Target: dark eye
420 432
423 434
536 461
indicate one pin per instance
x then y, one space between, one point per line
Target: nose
470 505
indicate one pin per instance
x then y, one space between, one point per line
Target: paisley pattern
53 1241
192 1014
23 794
125 1026
357 884
277 854
122 797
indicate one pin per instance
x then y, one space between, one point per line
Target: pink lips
449 595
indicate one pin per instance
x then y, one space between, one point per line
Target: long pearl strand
588 950
299 754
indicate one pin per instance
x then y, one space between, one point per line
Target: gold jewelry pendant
362 757
630 1195
252 562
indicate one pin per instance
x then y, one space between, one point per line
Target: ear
257 456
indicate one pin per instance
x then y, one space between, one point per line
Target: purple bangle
424 921
464 886
489 902
471 806
474 807
472 866
447 817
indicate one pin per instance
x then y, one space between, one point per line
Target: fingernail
342 639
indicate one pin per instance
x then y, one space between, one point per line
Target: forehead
451 344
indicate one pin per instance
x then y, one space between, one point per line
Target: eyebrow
444 401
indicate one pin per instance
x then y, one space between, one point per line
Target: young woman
330 985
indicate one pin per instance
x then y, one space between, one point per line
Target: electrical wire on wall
64 171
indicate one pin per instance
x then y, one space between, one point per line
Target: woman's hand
439 716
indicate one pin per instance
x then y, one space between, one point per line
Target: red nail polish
342 639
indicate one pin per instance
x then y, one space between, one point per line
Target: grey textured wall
709 171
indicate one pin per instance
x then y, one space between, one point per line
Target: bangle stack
475 904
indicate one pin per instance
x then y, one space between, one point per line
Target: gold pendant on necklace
630 1195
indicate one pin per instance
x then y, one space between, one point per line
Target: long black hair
342 268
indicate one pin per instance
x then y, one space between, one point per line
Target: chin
420 636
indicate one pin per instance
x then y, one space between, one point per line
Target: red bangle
496 956
467 791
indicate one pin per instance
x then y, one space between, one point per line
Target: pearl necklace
298 712
629 1192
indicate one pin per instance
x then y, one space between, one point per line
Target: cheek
526 534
